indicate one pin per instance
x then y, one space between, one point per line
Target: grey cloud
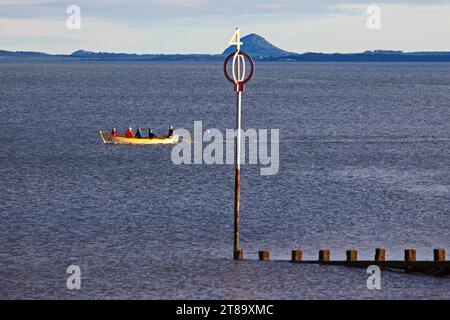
144 9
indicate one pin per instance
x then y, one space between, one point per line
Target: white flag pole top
236 40
238 65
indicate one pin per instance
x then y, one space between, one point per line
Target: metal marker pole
239 81
237 192
237 186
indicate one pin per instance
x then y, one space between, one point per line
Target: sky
205 26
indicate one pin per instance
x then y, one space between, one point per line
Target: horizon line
387 51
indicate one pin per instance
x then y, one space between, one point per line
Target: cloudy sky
205 26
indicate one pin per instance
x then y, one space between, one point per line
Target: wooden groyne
438 266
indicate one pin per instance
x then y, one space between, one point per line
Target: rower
129 133
170 132
138 133
114 132
151 135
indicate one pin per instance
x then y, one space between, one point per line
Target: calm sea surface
364 163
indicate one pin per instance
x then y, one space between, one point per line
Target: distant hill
258 47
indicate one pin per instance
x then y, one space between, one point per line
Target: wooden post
264 255
380 254
239 254
352 255
410 255
297 255
439 254
324 255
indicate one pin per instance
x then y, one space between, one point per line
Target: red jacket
114 133
129 134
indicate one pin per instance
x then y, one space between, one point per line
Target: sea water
364 163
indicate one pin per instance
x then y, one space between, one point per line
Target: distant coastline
305 57
258 47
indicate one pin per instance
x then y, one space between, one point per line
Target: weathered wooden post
297 255
352 255
439 254
380 254
264 255
410 255
239 79
324 255
238 254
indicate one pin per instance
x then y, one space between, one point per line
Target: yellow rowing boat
110 139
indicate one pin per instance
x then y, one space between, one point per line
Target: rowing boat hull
110 139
